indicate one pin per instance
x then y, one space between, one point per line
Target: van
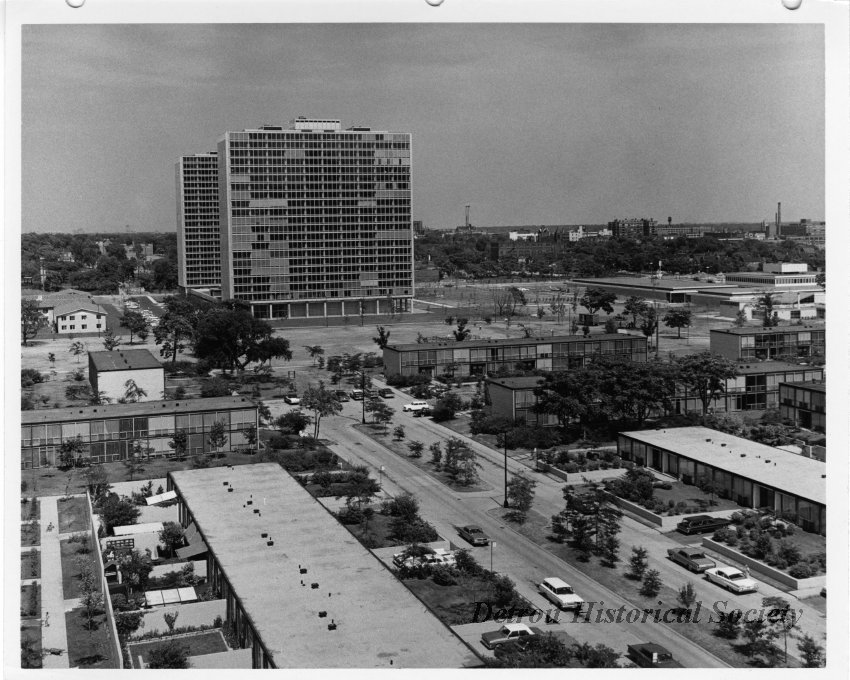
701 524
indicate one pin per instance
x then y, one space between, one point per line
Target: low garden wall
190 614
782 577
107 600
665 522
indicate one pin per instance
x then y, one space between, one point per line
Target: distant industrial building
747 344
778 275
112 432
634 228
300 591
109 373
484 357
751 474
804 403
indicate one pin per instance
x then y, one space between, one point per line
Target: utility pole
505 442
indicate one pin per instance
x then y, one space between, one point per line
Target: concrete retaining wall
782 577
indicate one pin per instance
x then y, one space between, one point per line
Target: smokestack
778 219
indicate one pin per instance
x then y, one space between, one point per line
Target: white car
732 579
560 593
415 406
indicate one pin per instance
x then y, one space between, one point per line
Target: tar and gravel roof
507 342
377 618
140 409
787 472
124 360
753 330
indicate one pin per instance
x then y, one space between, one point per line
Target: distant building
198 238
109 432
751 474
777 275
804 403
747 344
485 357
633 228
514 398
72 317
109 373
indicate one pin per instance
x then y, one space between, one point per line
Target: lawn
30 509
400 448
31 601
207 642
377 534
30 534
73 514
30 565
69 550
89 648
31 634
453 605
695 498
699 632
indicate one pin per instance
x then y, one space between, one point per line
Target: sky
527 123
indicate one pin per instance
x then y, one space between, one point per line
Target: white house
72 316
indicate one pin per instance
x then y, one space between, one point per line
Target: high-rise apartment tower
198 240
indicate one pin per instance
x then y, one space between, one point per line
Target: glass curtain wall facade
315 220
198 240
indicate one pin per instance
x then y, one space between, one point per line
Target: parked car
651 655
701 524
560 593
474 535
292 398
438 556
415 406
357 395
342 396
422 412
732 579
662 484
510 632
386 393
692 558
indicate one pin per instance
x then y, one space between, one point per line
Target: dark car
386 393
342 396
422 412
692 558
701 524
651 655
473 534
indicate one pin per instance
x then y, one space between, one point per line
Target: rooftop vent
332 625
723 444
302 570
767 460
230 490
225 483
823 476
743 455
265 534
269 542
256 511
250 502
322 614
314 586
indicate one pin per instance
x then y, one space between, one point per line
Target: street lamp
381 471
492 545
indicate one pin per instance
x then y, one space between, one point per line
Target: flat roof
519 383
756 330
786 472
377 618
663 284
123 360
406 347
142 408
812 385
748 367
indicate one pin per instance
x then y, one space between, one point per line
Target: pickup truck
510 632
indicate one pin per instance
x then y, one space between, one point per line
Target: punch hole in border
75 4
434 3
792 4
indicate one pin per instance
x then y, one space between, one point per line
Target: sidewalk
53 634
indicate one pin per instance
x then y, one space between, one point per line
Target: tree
636 306
599 656
217 436
270 348
520 496
77 348
322 402
172 536
135 568
740 318
229 336
251 437
783 619
32 320
649 322
383 337
170 619
705 374
812 653
97 483
90 596
51 357
292 422
134 322
728 625
541 651
110 341
462 332
638 563
764 305
315 351
436 454
708 486
609 549
461 462
687 595
133 393
70 451
172 654
398 433
175 327
133 463
632 390
116 511
759 635
582 536
359 488
595 299
568 395
678 319
651 583
179 442
415 449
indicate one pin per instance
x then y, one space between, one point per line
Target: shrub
444 575
801 570
789 552
30 376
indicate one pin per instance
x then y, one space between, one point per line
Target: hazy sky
528 123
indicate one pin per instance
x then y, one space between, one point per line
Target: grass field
89 648
73 514
30 510
70 569
31 601
31 635
30 565
207 642
30 534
